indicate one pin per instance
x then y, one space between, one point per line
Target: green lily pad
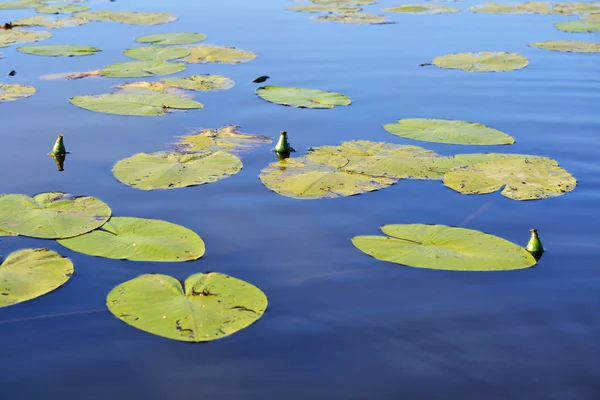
345 2
14 91
581 26
576 8
482 61
445 248
422 9
15 36
155 53
201 82
164 170
530 178
448 131
136 69
227 138
301 97
211 306
172 38
59 50
139 239
354 18
569 46
126 17
533 7
321 8
148 105
61 8
30 273
48 22
204 53
51 215
18 5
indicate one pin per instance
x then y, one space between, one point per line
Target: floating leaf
301 97
345 2
576 8
585 25
13 91
61 8
135 69
422 9
151 53
321 8
31 273
482 62
526 8
354 18
444 247
172 38
139 239
50 23
59 50
18 5
51 215
204 53
211 306
530 178
149 105
227 138
146 86
164 170
574 46
448 131
201 82
125 17
13 36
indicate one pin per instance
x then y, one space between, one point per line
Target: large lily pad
204 53
422 9
148 105
354 18
126 17
444 247
30 273
172 38
345 2
136 69
18 5
49 22
322 8
482 62
15 36
211 306
201 82
227 138
61 8
51 215
302 97
163 170
576 8
448 131
59 50
573 46
529 178
139 239
533 7
156 53
581 26
14 91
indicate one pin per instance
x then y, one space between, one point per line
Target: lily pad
525 8
48 22
126 17
145 86
354 18
30 273
569 46
148 105
345 2
51 215
18 5
211 306
61 8
164 170
530 178
14 91
59 50
422 9
227 138
172 38
301 97
576 8
482 62
448 131
139 239
444 248
15 36
321 8
135 69
155 53
204 53
201 82
581 26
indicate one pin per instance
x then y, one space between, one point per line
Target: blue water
340 325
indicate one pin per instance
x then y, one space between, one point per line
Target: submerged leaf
59 50
155 53
574 46
149 105
125 17
172 38
201 82
302 97
13 91
482 61
354 18
227 138
48 22
15 36
61 8
422 9
204 53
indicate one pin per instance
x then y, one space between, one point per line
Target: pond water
340 325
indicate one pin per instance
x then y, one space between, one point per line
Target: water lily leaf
61 8
151 53
211 306
448 131
576 8
139 239
482 62
201 82
321 8
164 170
573 46
30 273
18 5
125 17
12 36
48 22
302 97
172 38
345 2
204 53
530 178
585 25
59 50
444 247
148 105
13 91
227 138
533 7
422 9
144 86
135 69
51 215
354 18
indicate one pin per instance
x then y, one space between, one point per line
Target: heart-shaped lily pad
482 62
574 46
210 306
227 138
156 53
172 38
137 104
59 50
61 8
302 97
13 91
15 36
136 69
201 82
204 53
422 9
126 17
